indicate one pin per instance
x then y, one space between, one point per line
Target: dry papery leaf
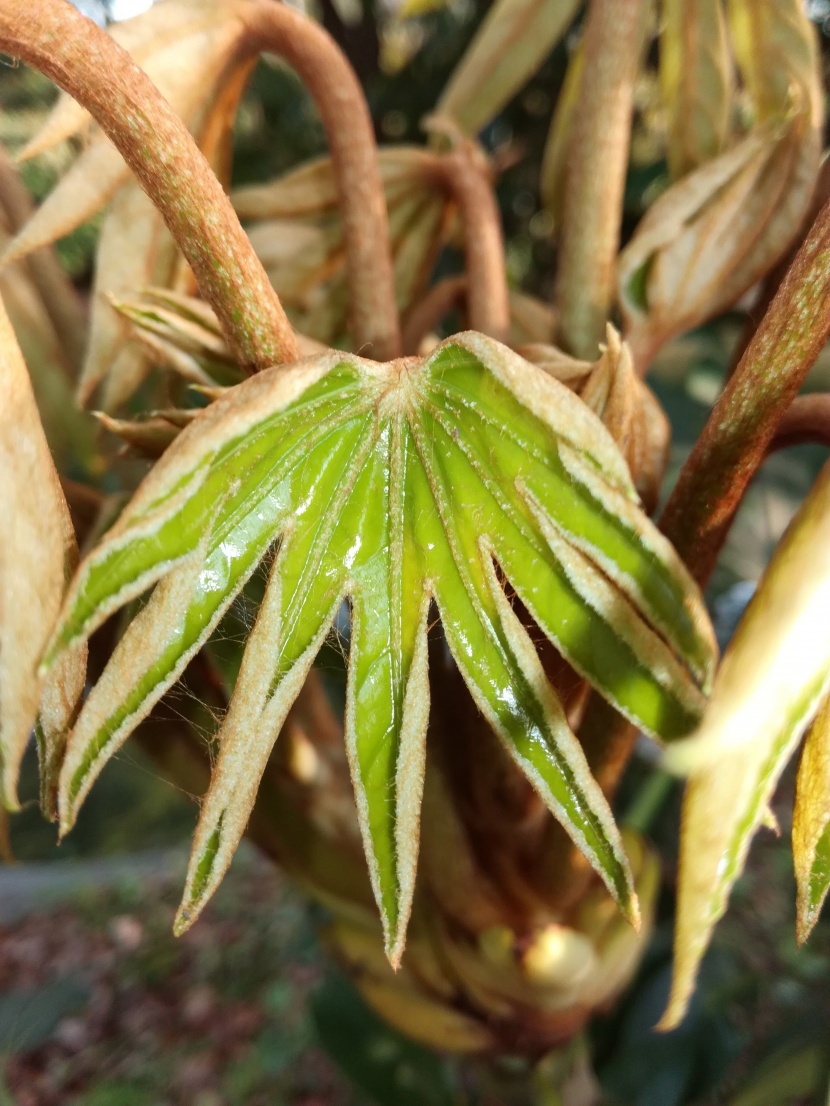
696 79
189 50
37 554
68 431
771 680
627 407
295 229
811 824
717 231
509 47
183 334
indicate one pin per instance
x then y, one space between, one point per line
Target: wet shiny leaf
393 486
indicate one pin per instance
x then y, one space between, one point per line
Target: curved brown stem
748 413
488 304
807 420
425 316
60 299
595 179
55 38
466 175
339 98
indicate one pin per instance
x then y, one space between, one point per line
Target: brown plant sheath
345 115
55 38
595 176
745 418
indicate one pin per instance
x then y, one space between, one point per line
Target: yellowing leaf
509 47
696 81
811 824
768 686
393 486
37 553
776 47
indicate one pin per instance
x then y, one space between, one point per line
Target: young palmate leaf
811 825
768 687
393 485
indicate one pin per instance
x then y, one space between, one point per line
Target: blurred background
101 1006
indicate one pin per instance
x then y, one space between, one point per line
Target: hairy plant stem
806 420
439 300
60 299
345 115
596 169
55 38
745 418
466 175
468 179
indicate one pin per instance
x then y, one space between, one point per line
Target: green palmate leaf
393 486
769 685
811 824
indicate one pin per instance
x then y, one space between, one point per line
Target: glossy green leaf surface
393 486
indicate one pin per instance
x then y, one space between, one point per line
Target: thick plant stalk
336 90
747 415
595 181
83 60
62 303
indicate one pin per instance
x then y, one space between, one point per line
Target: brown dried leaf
696 81
297 234
37 555
721 228
633 416
776 48
715 233
135 249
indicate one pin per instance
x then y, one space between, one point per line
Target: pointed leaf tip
811 825
773 675
392 488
